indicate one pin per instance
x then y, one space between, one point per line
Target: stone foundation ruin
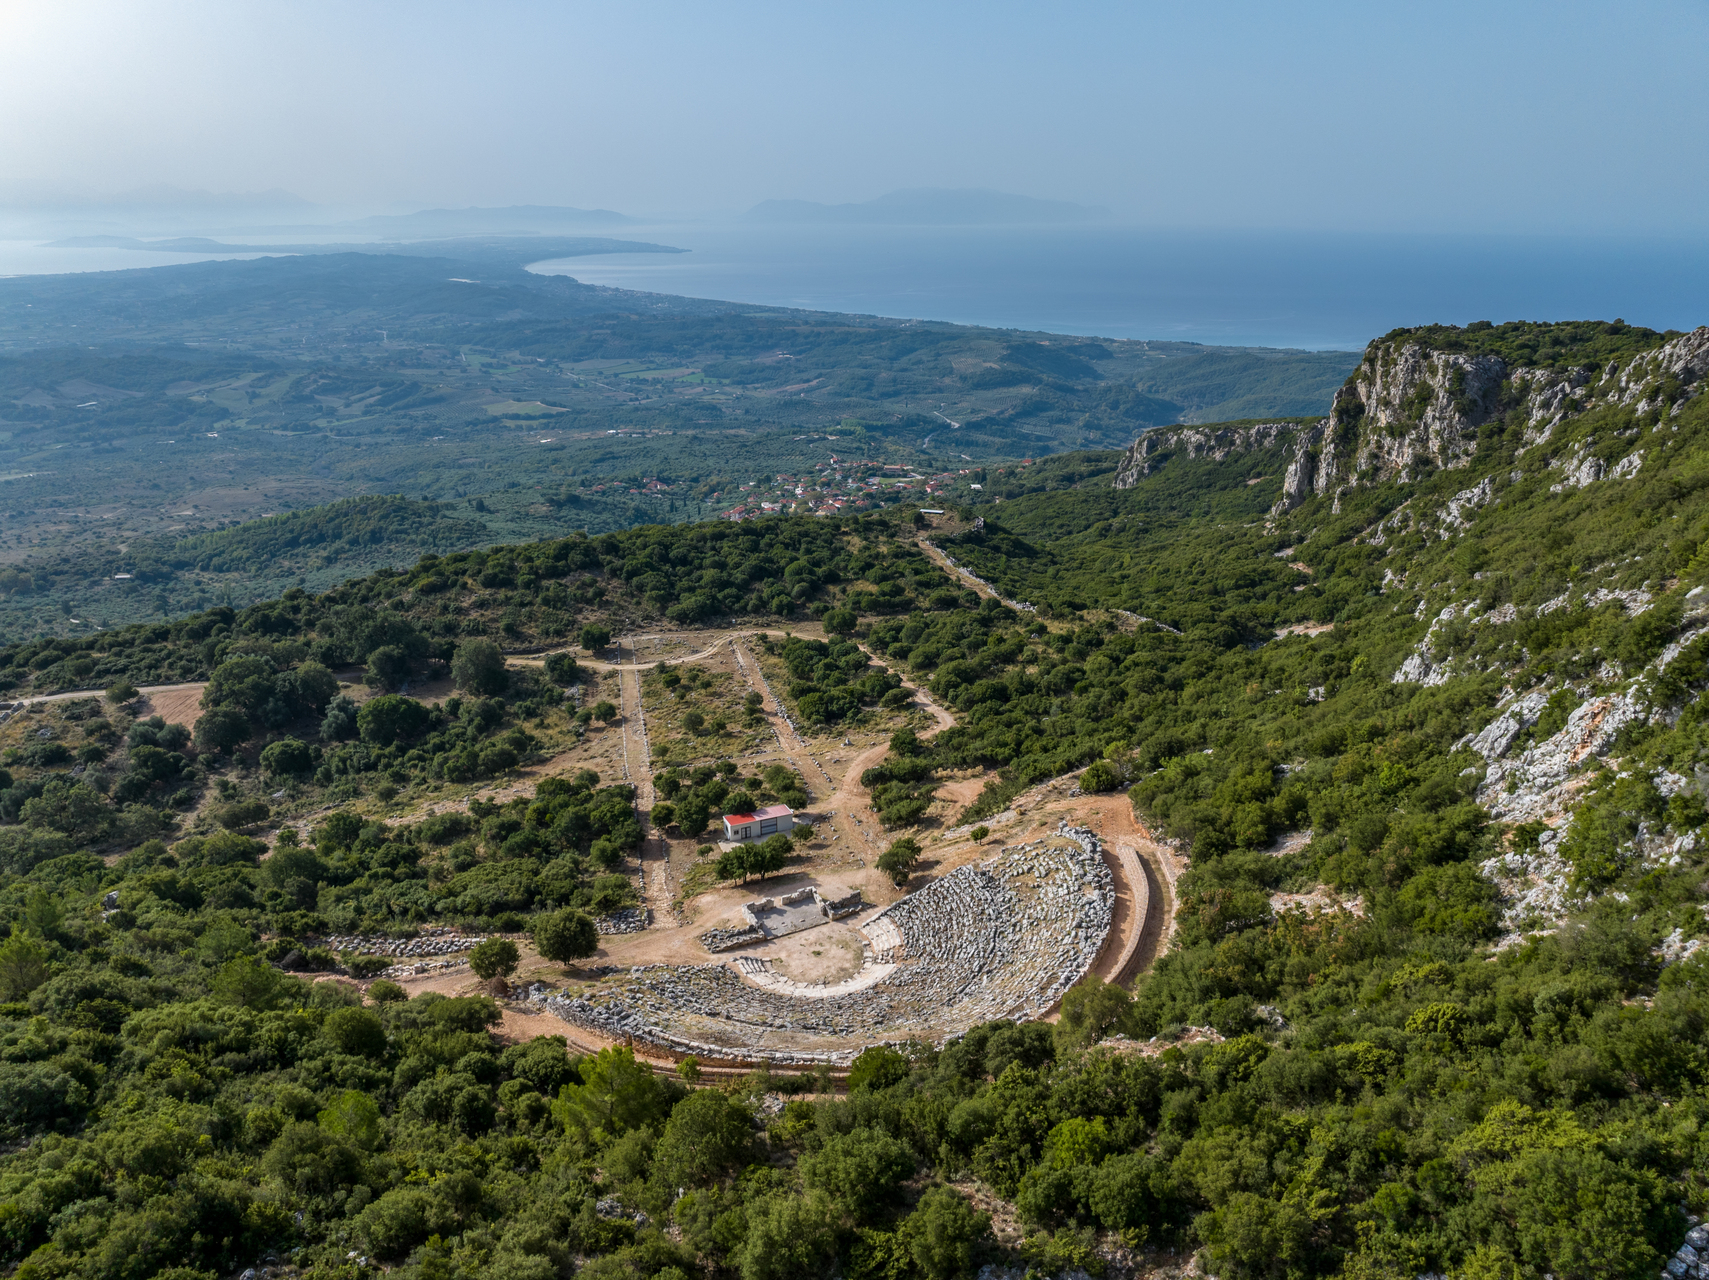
1000 939
771 918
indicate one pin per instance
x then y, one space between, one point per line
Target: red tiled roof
769 811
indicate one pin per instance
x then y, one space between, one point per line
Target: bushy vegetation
1370 1091
1540 344
695 798
411 619
829 682
901 784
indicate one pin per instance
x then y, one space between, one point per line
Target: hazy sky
1503 116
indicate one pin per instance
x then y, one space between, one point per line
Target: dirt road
148 692
657 891
603 664
853 798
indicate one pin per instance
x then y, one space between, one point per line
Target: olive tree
566 935
495 958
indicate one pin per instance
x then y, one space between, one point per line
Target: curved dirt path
851 793
848 804
147 691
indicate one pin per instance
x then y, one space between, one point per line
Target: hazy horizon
1522 119
1229 174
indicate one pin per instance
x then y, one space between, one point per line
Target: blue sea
1316 291
1277 289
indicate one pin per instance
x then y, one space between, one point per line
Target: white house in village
759 824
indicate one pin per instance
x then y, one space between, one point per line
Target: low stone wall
629 920
410 948
848 905
794 913
725 939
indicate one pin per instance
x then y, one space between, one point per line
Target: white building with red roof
759 824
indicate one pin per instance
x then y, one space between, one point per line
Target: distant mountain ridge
929 206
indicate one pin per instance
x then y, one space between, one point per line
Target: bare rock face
1300 481
1160 444
1422 410
1685 360
1408 410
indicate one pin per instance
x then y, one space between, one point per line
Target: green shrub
355 1031
243 813
478 668
222 729
565 935
1101 775
898 861
877 1067
287 758
494 958
390 718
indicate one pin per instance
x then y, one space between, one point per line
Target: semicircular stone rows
1003 939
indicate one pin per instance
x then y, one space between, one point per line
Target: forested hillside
526 596
1424 716
145 408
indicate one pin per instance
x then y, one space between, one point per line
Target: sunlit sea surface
1286 290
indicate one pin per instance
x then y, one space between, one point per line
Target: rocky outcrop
1423 667
1419 410
1409 410
1550 398
1648 378
1406 411
1217 443
1646 382
1300 481
1454 517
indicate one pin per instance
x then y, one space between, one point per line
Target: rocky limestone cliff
1405 411
1408 410
1150 450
